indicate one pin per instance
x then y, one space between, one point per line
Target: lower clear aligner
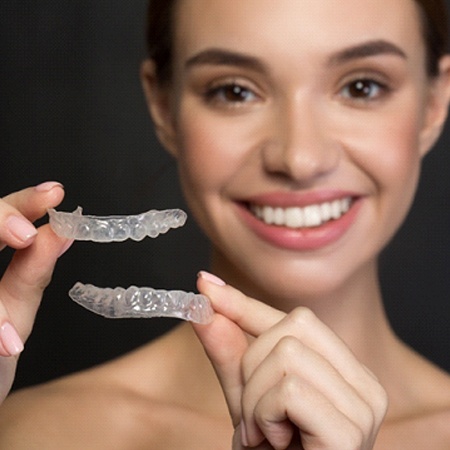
115 228
135 302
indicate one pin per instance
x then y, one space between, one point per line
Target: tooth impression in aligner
132 302
115 228
144 302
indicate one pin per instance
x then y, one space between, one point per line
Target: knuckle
380 403
359 435
290 387
286 348
377 398
366 418
353 439
301 316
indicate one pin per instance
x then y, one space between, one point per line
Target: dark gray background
71 109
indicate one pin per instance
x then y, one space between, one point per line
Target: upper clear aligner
115 228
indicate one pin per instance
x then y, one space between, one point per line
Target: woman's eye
364 89
231 93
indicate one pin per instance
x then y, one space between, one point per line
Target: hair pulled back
160 31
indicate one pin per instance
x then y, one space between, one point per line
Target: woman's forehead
312 25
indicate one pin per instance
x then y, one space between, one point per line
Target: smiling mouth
309 216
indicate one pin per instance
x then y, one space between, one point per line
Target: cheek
398 152
390 150
393 159
209 155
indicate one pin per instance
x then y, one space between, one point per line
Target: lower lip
301 239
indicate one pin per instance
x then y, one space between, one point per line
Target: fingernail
10 339
211 278
47 186
244 438
21 228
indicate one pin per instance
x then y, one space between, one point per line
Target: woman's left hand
289 381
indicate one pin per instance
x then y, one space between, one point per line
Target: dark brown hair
160 32
435 29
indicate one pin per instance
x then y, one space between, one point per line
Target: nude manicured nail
47 186
21 228
211 278
10 339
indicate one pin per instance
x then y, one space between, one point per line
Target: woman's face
299 127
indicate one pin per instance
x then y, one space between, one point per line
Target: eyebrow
366 50
220 57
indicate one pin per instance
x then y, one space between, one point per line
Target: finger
225 343
27 276
290 358
271 325
34 201
10 342
321 425
304 325
15 230
253 316
240 443
20 209
8 370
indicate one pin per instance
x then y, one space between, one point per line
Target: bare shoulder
67 410
76 414
425 431
154 397
425 423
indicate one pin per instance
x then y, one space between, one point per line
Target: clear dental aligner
115 228
135 302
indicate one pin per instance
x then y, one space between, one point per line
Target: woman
299 153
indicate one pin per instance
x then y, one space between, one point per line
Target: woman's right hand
29 271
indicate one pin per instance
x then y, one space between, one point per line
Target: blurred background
72 110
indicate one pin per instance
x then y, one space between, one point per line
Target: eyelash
365 86
218 94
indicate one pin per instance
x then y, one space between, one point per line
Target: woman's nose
302 146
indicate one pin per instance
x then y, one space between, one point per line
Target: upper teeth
308 216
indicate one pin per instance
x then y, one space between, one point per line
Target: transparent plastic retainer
132 302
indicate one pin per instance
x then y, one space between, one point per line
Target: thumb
225 344
238 319
26 277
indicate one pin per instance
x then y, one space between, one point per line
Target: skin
298 134
313 359
30 270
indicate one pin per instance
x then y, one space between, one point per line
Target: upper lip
300 199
